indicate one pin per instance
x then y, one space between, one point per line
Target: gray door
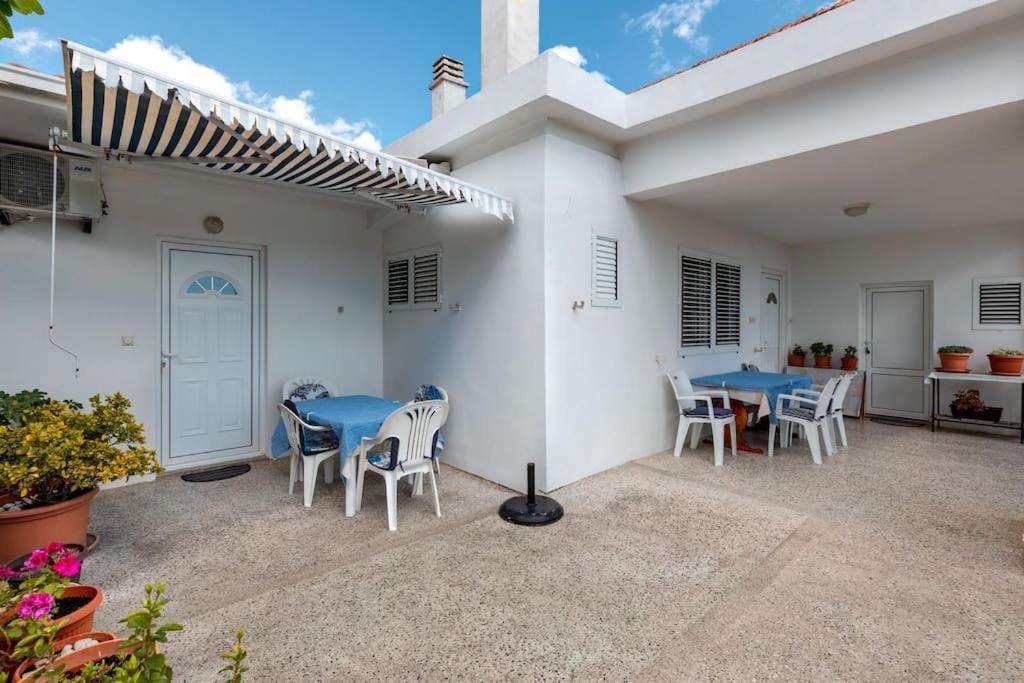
772 297
897 349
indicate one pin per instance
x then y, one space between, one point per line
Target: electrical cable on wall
54 147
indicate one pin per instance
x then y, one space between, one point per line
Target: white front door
772 297
897 349
210 302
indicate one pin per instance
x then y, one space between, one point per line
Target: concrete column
510 36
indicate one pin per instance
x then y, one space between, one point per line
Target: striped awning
130 111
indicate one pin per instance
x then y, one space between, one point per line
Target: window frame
596 299
976 284
409 256
714 347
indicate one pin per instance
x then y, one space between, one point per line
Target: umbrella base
519 510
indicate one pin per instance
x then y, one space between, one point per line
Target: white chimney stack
510 36
448 89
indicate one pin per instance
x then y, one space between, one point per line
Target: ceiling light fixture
856 210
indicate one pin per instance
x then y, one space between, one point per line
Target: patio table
352 418
752 388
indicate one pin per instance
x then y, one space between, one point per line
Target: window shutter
695 302
998 303
426 278
604 271
727 304
397 282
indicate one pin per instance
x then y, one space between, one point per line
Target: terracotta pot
823 362
80 621
25 530
954 362
796 361
101 636
849 362
1006 365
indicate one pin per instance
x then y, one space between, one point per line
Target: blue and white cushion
702 411
318 442
798 412
428 392
308 392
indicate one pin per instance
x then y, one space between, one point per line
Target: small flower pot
23 531
990 414
1006 365
80 621
796 361
849 363
823 362
81 553
953 362
77 658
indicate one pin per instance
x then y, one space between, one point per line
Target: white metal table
935 378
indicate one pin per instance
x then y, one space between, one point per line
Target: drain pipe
55 135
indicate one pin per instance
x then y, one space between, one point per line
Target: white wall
826 301
607 400
490 355
319 256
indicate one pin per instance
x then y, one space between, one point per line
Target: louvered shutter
727 304
427 278
604 271
695 299
397 293
997 304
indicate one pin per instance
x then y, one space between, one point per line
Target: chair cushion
308 392
702 411
427 392
801 413
318 442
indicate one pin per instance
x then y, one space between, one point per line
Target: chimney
448 90
509 35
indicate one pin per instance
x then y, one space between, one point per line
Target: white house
743 164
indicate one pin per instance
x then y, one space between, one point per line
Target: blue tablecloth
769 383
351 418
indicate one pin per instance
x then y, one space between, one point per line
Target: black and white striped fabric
127 110
802 413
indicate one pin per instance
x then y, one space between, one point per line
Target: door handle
168 354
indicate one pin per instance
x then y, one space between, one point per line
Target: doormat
217 473
898 422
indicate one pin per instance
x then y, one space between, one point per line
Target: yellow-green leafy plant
62 450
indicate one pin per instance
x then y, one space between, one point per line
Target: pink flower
35 606
7 573
54 548
37 560
67 566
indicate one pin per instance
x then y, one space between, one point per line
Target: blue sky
360 69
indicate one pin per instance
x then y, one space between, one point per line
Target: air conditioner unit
26 183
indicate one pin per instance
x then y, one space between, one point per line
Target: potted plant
1006 362
53 458
954 358
967 404
797 356
822 354
849 359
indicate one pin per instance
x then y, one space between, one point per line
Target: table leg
348 472
740 411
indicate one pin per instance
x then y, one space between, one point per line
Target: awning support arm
55 136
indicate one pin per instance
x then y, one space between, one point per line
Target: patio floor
899 558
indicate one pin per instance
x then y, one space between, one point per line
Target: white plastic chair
289 391
422 394
412 430
835 423
690 414
809 419
311 445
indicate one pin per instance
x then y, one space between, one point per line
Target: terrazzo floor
898 559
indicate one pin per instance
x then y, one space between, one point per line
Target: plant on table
822 354
54 452
954 358
1006 362
797 356
849 359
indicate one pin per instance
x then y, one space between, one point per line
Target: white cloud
26 41
574 56
680 18
152 53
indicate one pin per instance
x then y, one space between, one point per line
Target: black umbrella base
519 510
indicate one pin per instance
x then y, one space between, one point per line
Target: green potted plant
954 358
797 356
967 404
1006 362
849 359
53 458
822 354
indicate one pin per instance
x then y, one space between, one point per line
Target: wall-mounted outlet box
127 341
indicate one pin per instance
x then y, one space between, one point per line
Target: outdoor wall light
856 210
213 225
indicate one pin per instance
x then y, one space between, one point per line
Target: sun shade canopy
130 111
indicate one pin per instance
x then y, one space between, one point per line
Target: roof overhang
129 111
